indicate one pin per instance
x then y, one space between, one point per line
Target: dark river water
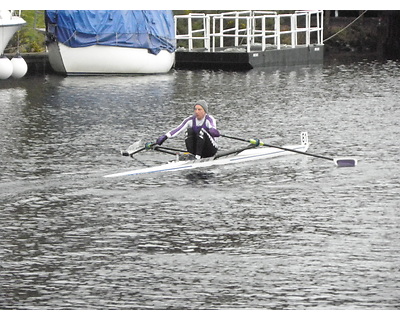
289 233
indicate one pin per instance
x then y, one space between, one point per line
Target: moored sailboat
82 42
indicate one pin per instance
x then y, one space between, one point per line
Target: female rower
201 131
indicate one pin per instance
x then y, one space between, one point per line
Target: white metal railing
222 28
250 30
201 33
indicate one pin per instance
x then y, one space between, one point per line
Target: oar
171 149
340 162
230 152
133 148
136 147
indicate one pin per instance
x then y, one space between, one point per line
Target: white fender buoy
6 67
19 67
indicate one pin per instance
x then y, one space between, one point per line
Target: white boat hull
247 155
9 25
100 59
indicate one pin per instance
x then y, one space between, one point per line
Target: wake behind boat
256 151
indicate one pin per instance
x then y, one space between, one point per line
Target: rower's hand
161 139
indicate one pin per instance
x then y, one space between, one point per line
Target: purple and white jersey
208 123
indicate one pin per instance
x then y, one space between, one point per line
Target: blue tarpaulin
149 29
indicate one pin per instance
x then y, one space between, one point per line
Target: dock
244 40
304 55
240 40
38 63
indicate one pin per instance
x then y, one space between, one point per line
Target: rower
200 132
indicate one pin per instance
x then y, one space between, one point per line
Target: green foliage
28 39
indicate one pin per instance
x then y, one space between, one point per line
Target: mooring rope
346 26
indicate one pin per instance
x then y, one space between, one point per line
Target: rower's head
200 109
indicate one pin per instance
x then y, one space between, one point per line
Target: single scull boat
251 154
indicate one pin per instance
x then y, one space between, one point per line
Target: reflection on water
289 233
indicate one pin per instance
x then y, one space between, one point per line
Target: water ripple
290 233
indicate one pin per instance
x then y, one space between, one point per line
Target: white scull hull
246 155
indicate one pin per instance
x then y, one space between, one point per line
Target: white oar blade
132 148
345 162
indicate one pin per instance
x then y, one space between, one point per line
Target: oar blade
345 162
133 148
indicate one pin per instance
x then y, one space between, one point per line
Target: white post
190 33
248 33
278 32
263 32
236 29
308 23
293 22
206 22
321 28
213 35
221 31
